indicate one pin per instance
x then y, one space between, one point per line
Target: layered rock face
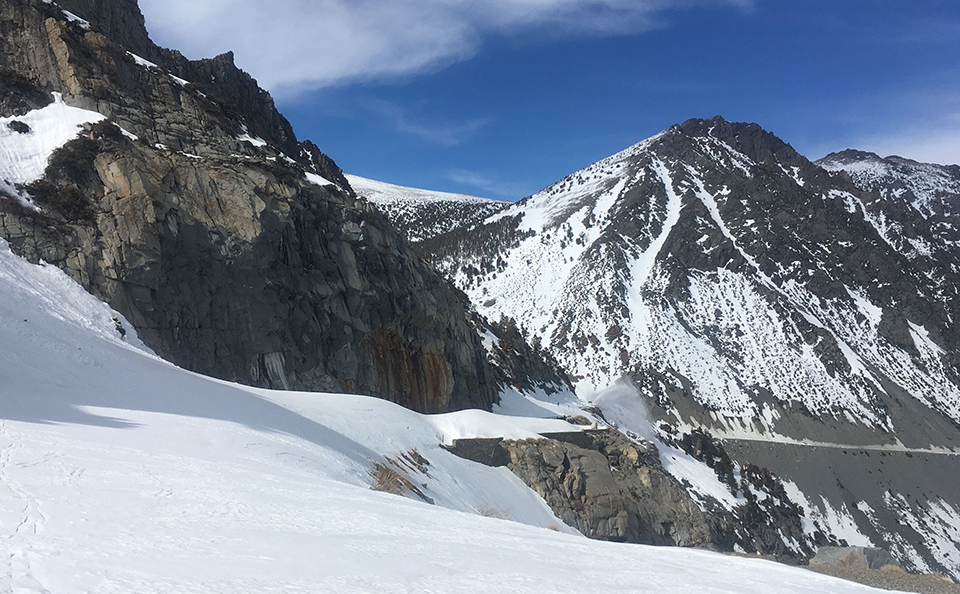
235 250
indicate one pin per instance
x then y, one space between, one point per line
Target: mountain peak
748 138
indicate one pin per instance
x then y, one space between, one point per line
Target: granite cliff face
236 250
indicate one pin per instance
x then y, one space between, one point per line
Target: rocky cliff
610 487
236 250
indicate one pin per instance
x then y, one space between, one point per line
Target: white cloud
292 46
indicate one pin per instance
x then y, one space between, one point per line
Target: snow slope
420 214
122 473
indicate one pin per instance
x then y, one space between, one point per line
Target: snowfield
420 214
122 473
380 192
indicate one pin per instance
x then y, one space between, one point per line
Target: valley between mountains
227 366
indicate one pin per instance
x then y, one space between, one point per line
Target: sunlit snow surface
423 213
121 473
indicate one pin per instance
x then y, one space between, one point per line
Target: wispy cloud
292 46
490 185
442 134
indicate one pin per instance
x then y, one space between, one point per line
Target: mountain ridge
419 214
749 293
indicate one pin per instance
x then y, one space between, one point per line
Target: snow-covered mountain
750 292
420 214
715 256
122 473
742 288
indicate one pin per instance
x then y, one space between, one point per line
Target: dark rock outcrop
610 487
516 362
118 20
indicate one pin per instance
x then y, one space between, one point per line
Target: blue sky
500 98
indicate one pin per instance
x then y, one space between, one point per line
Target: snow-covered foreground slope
122 473
419 214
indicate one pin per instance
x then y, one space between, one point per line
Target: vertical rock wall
224 256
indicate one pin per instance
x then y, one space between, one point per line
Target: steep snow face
713 258
420 214
27 141
122 473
